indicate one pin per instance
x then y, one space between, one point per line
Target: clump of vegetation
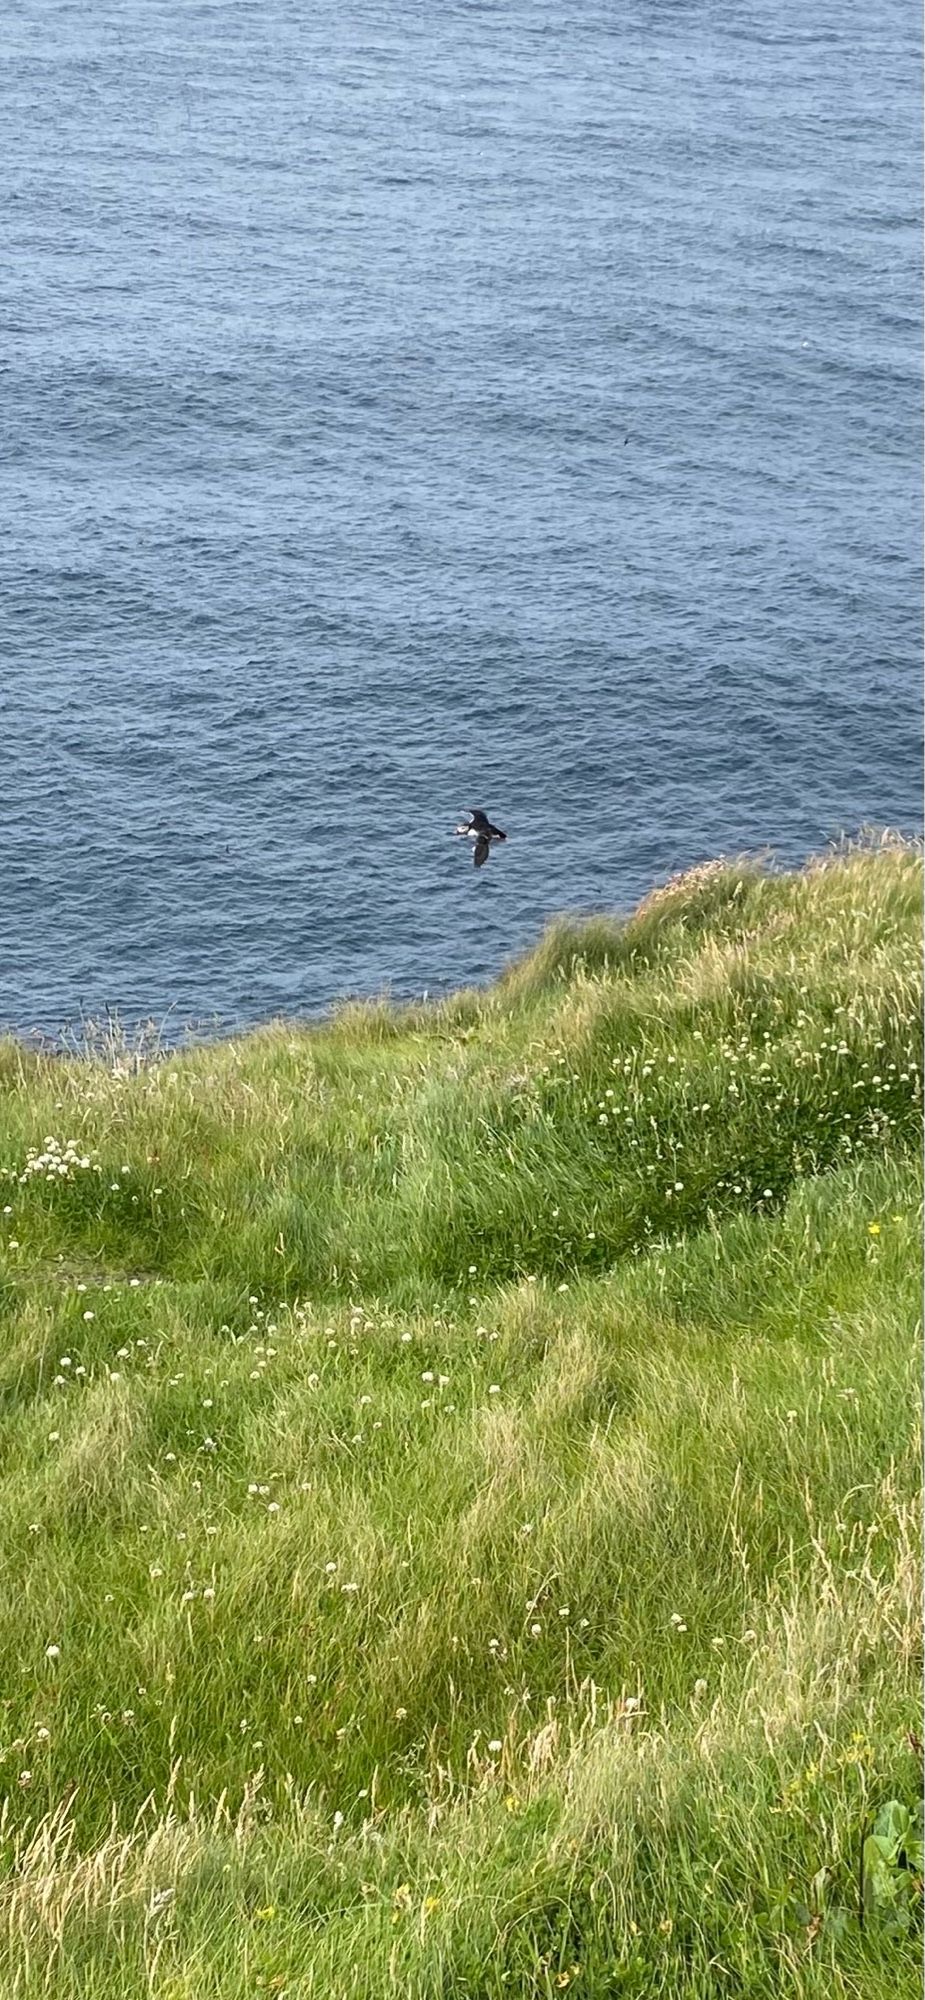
460 1478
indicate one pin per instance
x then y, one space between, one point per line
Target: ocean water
411 407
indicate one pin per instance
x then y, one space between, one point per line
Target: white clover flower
52 1652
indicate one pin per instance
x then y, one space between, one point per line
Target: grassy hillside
460 1477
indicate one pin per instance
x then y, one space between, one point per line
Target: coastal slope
460 1488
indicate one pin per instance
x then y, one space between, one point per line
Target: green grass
459 1497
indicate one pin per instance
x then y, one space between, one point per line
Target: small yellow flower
430 1904
873 1229
266 1915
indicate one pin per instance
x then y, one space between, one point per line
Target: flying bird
480 830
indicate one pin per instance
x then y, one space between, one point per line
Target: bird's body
481 831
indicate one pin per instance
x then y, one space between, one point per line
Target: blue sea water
407 407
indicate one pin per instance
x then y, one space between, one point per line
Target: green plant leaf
893 1822
880 1878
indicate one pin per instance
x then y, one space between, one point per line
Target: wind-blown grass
460 1475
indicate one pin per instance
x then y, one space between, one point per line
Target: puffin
480 830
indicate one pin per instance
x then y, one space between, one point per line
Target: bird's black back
481 824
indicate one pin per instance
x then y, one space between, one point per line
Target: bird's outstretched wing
482 850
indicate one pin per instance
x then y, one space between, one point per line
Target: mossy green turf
460 1473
